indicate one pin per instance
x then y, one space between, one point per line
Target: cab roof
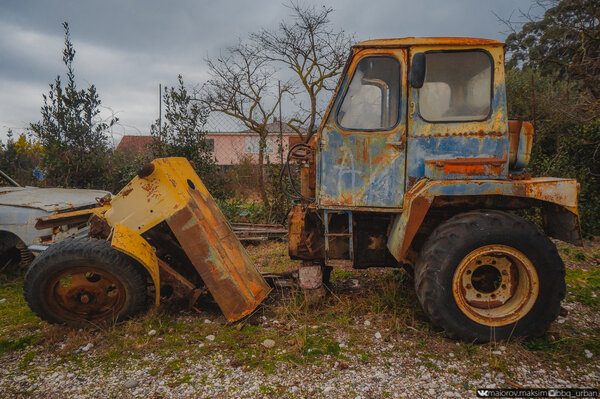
427 41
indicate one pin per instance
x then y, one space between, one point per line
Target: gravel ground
392 373
380 365
354 347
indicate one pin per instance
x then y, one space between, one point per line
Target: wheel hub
489 281
85 293
495 285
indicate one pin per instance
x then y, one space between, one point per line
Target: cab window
457 86
371 101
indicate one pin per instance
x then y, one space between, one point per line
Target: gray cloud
126 48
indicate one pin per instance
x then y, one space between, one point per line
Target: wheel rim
85 293
495 285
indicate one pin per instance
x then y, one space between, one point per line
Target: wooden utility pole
159 109
280 126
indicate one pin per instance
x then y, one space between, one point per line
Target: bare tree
242 85
312 49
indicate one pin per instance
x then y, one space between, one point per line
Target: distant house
229 148
134 144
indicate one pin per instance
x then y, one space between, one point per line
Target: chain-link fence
236 151
235 144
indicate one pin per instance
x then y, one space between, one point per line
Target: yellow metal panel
171 192
66 216
132 244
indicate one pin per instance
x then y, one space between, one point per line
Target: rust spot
479 133
146 170
126 192
411 181
522 176
418 210
469 166
345 198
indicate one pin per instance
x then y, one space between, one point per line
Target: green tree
71 132
552 79
19 157
182 134
564 43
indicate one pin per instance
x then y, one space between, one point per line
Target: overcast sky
126 48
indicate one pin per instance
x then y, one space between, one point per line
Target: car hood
49 199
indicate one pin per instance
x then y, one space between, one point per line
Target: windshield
371 102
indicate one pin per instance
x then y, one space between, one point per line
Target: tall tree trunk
261 170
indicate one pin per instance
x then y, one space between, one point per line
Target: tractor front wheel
84 282
490 275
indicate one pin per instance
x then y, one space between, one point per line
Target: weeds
303 334
583 286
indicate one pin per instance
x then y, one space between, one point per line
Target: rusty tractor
415 165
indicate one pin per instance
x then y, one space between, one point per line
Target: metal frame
350 236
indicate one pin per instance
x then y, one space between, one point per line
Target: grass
583 286
20 343
14 311
565 348
18 325
303 334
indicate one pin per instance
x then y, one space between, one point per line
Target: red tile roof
134 144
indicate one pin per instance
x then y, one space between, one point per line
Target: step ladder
338 262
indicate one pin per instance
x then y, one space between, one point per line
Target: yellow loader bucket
170 191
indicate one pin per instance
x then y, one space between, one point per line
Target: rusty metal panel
525 145
464 168
363 168
427 41
219 257
49 199
296 236
172 192
561 192
430 142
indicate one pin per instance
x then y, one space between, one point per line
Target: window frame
211 140
266 152
492 77
400 86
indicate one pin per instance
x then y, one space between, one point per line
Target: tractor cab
410 108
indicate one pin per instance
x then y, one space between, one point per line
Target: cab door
361 160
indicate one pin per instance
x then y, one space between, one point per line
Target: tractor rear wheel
83 282
489 275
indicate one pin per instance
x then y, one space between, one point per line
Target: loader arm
168 190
